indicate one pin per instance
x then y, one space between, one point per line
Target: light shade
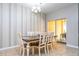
36 9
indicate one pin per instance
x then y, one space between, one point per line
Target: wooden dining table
30 39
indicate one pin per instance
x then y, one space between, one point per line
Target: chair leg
51 49
33 51
39 51
20 49
23 52
45 50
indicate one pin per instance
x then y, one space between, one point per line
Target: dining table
30 39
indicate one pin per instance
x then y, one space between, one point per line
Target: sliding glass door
61 29
51 26
58 27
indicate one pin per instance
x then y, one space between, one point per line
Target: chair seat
25 45
34 44
42 44
49 42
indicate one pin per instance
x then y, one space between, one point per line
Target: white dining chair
21 44
49 43
42 43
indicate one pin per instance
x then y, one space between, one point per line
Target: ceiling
50 7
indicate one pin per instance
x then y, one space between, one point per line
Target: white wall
78 26
71 13
16 18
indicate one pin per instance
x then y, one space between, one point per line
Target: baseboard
8 48
17 46
72 46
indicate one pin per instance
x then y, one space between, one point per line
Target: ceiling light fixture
36 8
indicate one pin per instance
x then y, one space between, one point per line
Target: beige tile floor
58 50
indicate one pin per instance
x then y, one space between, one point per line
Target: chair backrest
49 37
42 39
63 35
21 43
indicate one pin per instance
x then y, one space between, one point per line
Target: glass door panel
51 26
60 28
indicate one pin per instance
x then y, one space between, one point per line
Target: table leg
27 49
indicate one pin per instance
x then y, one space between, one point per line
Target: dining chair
42 43
63 37
21 44
49 42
